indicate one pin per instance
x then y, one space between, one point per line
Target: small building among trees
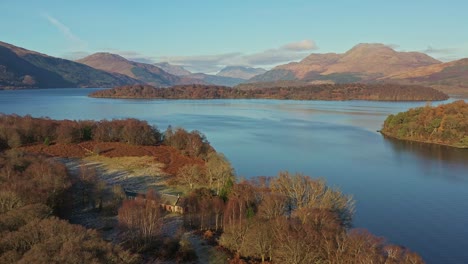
168 202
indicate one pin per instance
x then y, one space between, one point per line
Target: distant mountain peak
173 69
240 72
103 56
371 46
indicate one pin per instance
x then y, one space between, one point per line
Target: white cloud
76 42
75 55
303 45
204 63
267 58
444 51
393 46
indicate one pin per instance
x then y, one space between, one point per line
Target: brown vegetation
445 124
291 218
116 138
32 188
288 219
353 91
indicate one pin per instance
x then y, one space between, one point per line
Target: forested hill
445 124
354 91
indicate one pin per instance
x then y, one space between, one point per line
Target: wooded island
332 92
445 124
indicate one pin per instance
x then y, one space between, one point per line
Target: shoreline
421 141
279 99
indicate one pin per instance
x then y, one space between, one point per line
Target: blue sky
207 35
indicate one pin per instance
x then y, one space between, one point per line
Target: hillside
217 80
240 72
145 73
22 68
451 77
445 124
375 92
173 69
364 62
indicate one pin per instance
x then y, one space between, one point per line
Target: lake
413 194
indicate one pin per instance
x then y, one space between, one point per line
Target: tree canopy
352 91
445 124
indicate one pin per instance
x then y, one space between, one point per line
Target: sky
205 36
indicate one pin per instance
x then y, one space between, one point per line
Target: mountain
217 80
364 62
22 68
173 69
201 78
145 73
451 77
240 72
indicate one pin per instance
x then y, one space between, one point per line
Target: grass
136 174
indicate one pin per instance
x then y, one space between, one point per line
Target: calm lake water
413 194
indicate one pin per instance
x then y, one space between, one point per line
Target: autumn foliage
352 91
32 189
16 131
445 124
290 218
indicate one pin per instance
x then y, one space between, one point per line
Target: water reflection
433 159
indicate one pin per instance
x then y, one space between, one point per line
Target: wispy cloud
303 45
267 58
444 54
393 46
76 42
442 51
75 55
204 63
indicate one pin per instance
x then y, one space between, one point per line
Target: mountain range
369 63
365 63
229 76
22 68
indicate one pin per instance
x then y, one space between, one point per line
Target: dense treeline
445 124
353 91
17 131
192 144
290 218
32 188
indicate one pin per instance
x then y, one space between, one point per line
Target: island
332 92
446 124
122 191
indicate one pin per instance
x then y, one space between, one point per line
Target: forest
446 124
288 218
352 91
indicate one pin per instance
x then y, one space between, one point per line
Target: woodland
446 124
288 218
351 91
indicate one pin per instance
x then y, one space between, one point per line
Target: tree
141 219
190 175
260 240
302 191
219 171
